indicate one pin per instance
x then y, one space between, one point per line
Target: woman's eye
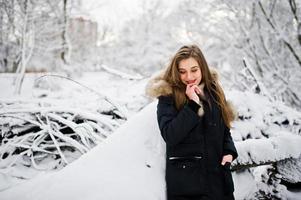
182 72
195 70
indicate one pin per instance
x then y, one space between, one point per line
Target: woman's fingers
197 89
227 158
189 88
191 92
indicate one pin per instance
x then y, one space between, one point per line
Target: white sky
116 12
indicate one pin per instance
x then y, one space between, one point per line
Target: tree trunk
65 51
28 38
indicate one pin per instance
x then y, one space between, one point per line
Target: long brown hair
172 76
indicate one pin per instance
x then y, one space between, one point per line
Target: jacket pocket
228 180
184 177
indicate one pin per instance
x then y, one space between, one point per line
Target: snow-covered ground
129 164
55 88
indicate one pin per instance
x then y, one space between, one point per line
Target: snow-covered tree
264 36
27 37
256 44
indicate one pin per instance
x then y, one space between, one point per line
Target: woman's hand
227 158
192 91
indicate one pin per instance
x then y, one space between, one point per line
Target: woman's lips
189 82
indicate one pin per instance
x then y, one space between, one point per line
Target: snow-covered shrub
32 132
268 139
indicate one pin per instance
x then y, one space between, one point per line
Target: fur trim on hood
157 86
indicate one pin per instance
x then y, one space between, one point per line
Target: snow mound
128 165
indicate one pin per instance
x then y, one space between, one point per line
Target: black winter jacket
195 146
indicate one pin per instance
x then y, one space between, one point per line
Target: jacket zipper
184 157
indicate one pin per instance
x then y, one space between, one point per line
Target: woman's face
190 71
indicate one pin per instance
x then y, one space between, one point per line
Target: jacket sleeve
229 147
174 125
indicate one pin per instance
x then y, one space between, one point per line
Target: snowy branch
40 131
257 152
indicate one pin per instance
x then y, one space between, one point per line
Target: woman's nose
189 76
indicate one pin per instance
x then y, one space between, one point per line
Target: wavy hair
172 76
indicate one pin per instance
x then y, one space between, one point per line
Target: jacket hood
157 86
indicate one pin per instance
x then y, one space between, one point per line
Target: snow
293 195
120 163
130 163
53 93
261 118
115 169
94 86
138 37
265 150
247 188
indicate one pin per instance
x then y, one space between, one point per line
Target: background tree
30 35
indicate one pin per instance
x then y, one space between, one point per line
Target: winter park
77 118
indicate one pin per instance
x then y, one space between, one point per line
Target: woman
194 119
